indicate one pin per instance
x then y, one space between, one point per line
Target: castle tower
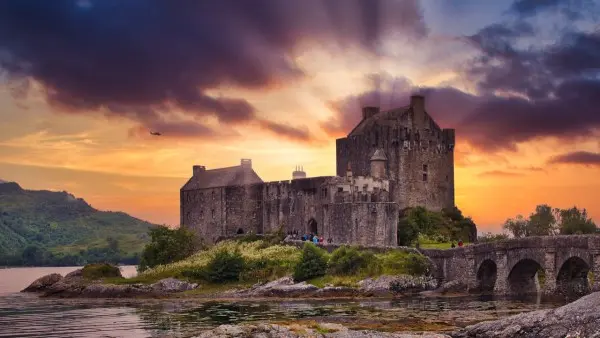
378 164
298 173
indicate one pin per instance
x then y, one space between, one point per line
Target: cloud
499 173
143 59
571 9
288 131
579 157
525 89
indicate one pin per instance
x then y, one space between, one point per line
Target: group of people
309 237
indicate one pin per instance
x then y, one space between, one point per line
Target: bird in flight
155 133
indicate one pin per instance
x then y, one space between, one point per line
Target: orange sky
86 132
97 159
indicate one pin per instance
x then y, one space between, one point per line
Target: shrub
264 269
313 263
350 261
167 246
100 270
417 265
225 266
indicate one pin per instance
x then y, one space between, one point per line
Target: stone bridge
513 266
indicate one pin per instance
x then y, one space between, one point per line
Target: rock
282 287
578 319
42 283
385 285
454 286
172 285
76 273
115 291
296 331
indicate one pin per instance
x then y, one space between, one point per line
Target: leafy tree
167 246
225 267
575 221
313 263
447 225
542 222
518 226
489 237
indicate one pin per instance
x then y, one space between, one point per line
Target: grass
284 256
436 245
347 281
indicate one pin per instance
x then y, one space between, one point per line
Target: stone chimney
417 102
197 169
246 163
298 173
369 111
378 163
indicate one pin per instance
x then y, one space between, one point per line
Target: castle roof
222 177
391 114
379 155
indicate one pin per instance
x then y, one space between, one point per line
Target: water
26 315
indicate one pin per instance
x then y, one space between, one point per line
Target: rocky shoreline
75 285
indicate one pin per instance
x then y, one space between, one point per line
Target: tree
575 221
517 226
167 246
542 222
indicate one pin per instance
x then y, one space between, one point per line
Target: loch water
27 315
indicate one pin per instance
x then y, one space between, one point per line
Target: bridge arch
572 277
523 277
487 273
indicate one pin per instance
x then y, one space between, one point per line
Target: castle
390 161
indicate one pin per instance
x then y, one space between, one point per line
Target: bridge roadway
509 267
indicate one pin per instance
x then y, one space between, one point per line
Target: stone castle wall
420 157
310 205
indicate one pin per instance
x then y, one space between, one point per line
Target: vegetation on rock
445 226
46 228
100 270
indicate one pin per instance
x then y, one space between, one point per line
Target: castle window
424 177
340 189
425 167
446 178
375 138
213 213
213 195
417 136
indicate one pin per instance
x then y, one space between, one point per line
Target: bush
168 246
313 263
226 266
350 261
100 270
417 265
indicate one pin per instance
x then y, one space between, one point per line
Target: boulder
578 319
172 285
76 273
296 331
386 285
41 284
282 287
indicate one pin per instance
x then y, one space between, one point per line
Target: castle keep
390 161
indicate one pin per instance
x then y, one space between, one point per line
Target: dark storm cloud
525 90
300 134
571 9
152 55
578 157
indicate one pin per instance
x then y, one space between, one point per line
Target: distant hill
56 228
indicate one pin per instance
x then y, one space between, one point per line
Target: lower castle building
390 161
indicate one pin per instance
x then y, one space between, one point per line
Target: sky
83 82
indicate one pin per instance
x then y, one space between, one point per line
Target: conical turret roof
379 155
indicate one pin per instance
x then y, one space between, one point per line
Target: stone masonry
390 161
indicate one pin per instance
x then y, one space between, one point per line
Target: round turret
378 164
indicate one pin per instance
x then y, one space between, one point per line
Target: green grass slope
42 227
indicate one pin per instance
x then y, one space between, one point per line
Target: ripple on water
26 315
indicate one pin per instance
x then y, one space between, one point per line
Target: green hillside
56 228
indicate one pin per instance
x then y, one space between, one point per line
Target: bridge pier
596 270
501 287
471 275
549 266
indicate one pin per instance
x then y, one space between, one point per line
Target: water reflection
24 315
